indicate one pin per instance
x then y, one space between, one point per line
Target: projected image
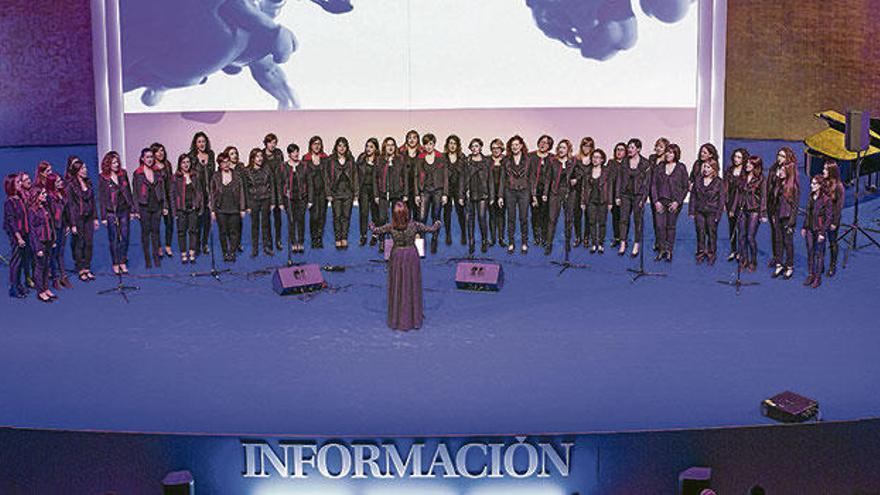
210 55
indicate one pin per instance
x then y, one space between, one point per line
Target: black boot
832 267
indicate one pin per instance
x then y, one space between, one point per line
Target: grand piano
830 143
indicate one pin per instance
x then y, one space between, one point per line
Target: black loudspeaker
858 123
693 481
178 483
297 279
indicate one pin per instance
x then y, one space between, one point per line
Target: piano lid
831 142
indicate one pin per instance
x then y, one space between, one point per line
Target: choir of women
497 193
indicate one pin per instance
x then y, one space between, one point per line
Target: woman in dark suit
116 208
340 176
669 187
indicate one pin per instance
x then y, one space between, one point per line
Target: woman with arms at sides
390 180
538 164
15 224
164 166
596 198
295 196
614 164
817 221
497 214
405 299
432 184
772 193
149 193
42 239
274 159
258 194
455 159
656 159
83 216
669 187
708 199
187 204
315 159
341 180
227 204
786 198
410 152
750 211
116 207
831 172
235 164
202 158
59 207
633 183
476 192
515 190
731 181
368 210
41 175
583 164
560 193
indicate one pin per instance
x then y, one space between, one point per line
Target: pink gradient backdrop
246 129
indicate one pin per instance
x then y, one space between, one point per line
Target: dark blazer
235 188
178 193
58 206
341 180
839 195
538 170
820 213
634 183
273 161
709 199
296 183
605 188
672 186
731 188
365 175
141 188
390 180
40 228
15 218
516 177
751 195
454 172
432 177
475 183
318 188
205 171
558 180
114 197
787 207
81 204
258 185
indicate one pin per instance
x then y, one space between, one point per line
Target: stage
582 351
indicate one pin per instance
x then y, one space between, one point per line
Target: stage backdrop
608 69
788 59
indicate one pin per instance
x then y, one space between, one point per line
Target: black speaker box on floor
178 483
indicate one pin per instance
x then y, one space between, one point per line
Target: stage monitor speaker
297 279
479 276
858 123
789 407
692 481
178 483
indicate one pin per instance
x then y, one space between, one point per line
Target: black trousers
733 232
341 218
477 213
279 234
318 220
666 222
150 234
630 207
260 218
204 220
41 267
82 243
432 202
517 202
783 242
229 227
451 204
540 213
707 232
747 224
815 252
580 221
497 217
296 222
567 204
615 222
187 230
774 242
367 210
168 220
833 245
598 216
16 267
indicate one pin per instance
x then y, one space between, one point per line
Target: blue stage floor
583 351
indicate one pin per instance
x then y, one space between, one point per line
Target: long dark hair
106 164
400 216
74 164
9 184
757 166
517 137
180 159
742 151
342 140
713 151
252 156
196 136
166 163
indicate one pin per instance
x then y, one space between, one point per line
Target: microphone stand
565 263
213 272
854 228
120 288
738 283
641 272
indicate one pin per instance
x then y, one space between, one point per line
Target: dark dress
405 305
